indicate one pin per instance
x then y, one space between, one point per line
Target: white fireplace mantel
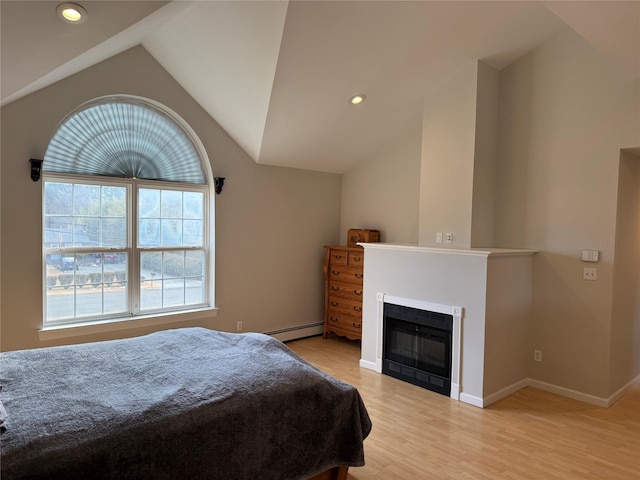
457 314
490 288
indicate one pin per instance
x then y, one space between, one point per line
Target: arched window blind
126 138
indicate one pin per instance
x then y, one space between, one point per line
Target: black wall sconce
36 169
218 182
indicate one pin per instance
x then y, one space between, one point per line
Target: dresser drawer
338 257
356 259
344 305
345 274
345 290
344 322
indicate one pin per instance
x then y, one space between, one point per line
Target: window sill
88 328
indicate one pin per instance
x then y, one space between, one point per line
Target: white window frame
134 317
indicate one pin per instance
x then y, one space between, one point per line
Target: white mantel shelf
480 252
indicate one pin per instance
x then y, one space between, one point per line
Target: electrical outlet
537 355
590 274
239 326
448 238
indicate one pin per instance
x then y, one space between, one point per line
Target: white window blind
124 138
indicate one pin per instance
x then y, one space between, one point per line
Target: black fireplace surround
417 347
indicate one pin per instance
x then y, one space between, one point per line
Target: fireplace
417 346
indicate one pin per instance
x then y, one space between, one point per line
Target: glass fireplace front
417 347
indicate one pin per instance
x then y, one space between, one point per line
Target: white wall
625 314
509 280
271 222
382 192
459 150
565 112
448 146
485 154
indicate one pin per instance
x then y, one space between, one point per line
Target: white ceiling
276 75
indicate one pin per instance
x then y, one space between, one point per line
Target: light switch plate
589 255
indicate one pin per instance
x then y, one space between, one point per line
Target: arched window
126 224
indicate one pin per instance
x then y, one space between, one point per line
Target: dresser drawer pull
359 275
358 292
357 325
337 257
334 304
335 272
333 319
357 309
357 259
334 288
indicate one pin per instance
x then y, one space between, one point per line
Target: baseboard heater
299 331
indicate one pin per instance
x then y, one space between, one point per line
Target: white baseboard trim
562 391
367 364
547 387
455 391
621 391
569 393
471 400
295 333
505 392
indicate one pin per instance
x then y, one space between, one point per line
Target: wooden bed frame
335 473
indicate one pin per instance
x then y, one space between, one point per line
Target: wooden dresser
343 275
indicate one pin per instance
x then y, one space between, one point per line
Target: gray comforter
181 404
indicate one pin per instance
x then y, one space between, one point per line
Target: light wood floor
532 434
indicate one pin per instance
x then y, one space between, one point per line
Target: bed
189 403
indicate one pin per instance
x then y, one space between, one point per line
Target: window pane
171 204
114 217
194 278
171 233
86 200
57 232
150 265
193 205
173 292
194 264
114 232
193 232
170 279
194 291
173 265
57 198
114 202
149 233
60 304
115 281
86 285
150 280
149 203
86 231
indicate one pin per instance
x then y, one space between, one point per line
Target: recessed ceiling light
357 99
71 13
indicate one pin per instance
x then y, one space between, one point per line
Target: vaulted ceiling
277 75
